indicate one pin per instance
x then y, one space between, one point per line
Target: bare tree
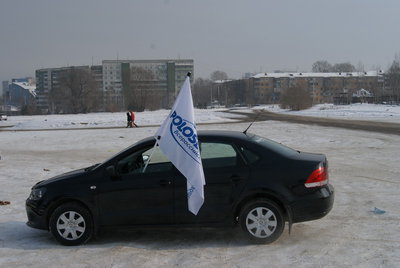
76 93
111 105
29 108
296 97
202 92
345 67
218 75
393 78
142 86
321 66
360 67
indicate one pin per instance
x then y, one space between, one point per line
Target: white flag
177 138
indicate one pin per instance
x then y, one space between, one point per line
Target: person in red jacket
133 119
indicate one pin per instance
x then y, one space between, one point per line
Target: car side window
250 156
136 162
158 161
214 154
130 164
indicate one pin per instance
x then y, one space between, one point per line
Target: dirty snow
364 170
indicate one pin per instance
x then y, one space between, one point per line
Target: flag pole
148 160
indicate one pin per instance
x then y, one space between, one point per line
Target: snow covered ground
97 120
364 170
358 111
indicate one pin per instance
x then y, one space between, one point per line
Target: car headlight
37 194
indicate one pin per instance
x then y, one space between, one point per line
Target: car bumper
313 206
36 218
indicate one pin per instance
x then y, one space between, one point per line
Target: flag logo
184 134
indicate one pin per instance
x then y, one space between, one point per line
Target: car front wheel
71 224
262 221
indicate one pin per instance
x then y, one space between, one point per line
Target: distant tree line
323 66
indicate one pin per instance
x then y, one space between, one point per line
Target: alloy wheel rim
261 222
71 225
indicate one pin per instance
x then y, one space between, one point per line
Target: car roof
213 134
223 134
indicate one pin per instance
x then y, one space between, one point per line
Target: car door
225 174
135 196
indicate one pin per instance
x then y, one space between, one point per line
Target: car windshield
274 146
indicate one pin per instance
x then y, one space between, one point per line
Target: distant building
49 79
3 95
4 88
266 88
169 75
248 75
21 92
18 94
114 77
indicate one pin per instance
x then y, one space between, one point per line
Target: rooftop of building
63 68
341 74
147 61
27 86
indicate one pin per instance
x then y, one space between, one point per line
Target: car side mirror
112 172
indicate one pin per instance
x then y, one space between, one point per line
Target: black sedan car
251 181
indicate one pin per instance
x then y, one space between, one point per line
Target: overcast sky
229 35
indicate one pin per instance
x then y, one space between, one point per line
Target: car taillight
317 178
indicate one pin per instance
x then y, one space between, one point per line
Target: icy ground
364 169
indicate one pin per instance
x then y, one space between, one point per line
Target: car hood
62 177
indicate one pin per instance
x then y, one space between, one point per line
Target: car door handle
165 182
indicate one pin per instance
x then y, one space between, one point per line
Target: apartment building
49 79
323 87
21 92
114 77
168 76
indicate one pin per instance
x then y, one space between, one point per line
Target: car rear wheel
262 221
71 224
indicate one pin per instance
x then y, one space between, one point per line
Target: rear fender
279 200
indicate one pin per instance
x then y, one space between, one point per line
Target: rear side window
215 155
249 155
274 146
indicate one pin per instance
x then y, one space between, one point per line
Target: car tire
262 221
71 224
